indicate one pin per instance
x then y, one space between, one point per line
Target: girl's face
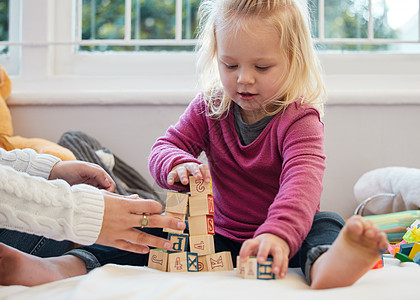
250 67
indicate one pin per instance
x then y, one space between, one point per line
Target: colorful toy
395 224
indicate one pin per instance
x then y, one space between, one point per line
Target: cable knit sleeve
53 209
28 161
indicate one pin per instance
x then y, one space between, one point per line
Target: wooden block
414 250
199 187
158 259
264 270
247 269
201 225
202 244
202 263
183 262
174 215
180 242
201 205
220 261
177 203
240 268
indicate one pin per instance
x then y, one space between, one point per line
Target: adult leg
20 268
33 244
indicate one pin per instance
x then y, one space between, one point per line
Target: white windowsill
342 90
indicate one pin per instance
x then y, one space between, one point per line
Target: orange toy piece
379 264
9 142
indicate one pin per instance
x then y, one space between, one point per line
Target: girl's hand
181 173
264 245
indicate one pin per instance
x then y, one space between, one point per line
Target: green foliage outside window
151 19
4 24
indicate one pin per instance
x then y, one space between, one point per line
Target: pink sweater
272 185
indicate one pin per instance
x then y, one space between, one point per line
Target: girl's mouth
246 96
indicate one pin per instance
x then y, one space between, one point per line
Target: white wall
358 137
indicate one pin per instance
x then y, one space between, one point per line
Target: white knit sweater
51 208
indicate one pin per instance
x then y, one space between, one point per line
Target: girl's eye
262 68
231 67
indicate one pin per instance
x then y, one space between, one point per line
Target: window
352 25
9 31
370 44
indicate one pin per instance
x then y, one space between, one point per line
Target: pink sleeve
182 143
291 214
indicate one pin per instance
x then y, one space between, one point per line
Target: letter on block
174 215
220 261
247 269
180 242
199 187
264 270
201 225
177 203
158 259
202 264
202 244
183 262
201 205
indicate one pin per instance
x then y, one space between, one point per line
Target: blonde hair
290 19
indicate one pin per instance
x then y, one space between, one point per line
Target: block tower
200 241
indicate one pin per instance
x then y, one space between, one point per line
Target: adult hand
77 172
264 245
123 213
181 173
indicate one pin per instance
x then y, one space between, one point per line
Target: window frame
51 67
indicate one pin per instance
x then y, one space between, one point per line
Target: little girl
258 122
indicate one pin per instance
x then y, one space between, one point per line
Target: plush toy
10 142
388 190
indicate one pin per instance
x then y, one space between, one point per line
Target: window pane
396 19
346 19
189 18
153 19
103 19
4 24
313 6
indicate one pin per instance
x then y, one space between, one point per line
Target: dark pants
325 229
33 244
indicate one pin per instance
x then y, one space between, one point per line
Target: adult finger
159 221
143 206
140 237
126 245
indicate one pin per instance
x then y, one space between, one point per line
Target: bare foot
19 268
354 252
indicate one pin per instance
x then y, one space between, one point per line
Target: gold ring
144 221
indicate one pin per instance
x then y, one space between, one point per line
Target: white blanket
394 281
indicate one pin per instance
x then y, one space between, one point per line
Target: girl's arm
182 144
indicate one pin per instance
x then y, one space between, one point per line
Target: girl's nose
245 77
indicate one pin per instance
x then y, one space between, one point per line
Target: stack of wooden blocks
200 241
